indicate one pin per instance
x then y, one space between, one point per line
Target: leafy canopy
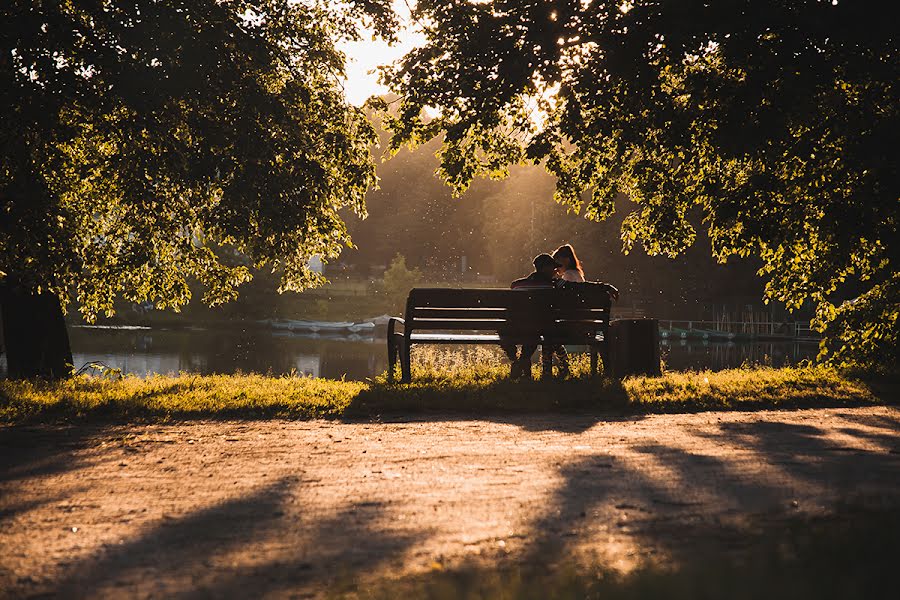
773 121
146 143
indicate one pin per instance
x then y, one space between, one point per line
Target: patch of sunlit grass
477 380
757 386
181 396
472 380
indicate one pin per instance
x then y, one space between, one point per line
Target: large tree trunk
34 335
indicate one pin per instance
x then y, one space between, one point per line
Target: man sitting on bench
545 276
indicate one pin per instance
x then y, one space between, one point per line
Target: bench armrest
610 289
392 324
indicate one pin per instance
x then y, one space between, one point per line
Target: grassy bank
471 382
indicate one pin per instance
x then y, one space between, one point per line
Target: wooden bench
578 314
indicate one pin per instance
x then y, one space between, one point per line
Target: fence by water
738 330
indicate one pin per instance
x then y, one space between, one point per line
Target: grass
471 381
161 398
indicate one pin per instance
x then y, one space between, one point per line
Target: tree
399 279
774 120
149 143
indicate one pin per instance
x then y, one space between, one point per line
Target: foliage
865 332
152 142
773 119
500 225
473 381
399 279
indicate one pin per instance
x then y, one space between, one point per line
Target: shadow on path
768 549
204 554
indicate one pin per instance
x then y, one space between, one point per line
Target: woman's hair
567 251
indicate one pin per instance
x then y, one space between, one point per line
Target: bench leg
394 343
546 361
604 356
391 358
593 361
405 368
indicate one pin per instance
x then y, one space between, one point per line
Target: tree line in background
152 146
495 228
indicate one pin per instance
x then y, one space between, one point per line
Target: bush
399 279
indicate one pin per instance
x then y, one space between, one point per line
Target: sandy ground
245 509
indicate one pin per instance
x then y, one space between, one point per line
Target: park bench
577 314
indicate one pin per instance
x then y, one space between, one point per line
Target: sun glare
366 55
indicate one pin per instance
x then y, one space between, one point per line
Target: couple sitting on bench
562 269
551 307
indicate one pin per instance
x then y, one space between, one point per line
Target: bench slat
557 329
594 296
485 338
459 324
453 298
579 312
575 314
461 313
455 338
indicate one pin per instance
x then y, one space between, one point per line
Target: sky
364 56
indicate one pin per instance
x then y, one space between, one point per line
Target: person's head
565 255
545 264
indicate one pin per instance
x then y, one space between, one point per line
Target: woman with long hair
569 270
571 266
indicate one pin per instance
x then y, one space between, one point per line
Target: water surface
260 350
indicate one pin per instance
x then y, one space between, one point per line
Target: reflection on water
261 350
206 351
681 355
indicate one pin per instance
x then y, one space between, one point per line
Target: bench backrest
580 308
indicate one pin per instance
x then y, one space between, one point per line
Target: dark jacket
537 281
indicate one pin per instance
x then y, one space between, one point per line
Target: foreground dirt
245 509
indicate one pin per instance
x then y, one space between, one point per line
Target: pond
257 349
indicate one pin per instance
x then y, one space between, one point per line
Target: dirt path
226 508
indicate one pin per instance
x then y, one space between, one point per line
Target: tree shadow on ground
33 452
886 425
27 452
677 515
844 558
203 554
704 528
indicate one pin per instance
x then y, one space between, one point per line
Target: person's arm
612 290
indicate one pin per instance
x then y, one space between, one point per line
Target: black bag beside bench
577 314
